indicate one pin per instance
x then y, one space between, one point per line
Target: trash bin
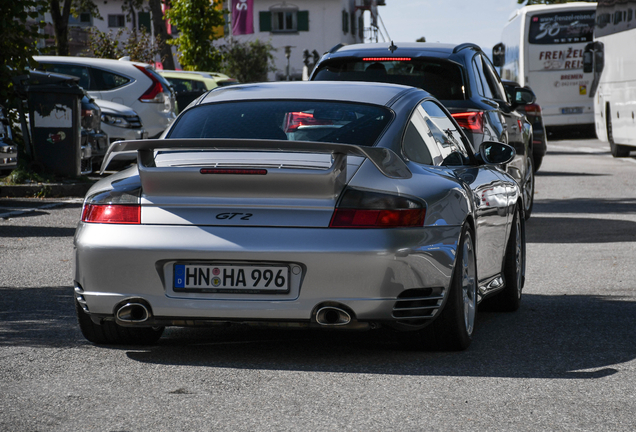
55 117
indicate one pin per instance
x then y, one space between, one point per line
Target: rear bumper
369 272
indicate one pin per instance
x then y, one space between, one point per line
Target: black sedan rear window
442 79
337 122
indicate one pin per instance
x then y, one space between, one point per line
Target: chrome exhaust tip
332 316
133 313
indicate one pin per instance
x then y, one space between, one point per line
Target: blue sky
452 21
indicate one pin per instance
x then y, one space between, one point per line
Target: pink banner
242 17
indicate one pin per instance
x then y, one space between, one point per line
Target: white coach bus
612 58
542 48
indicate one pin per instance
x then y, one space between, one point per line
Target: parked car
121 123
533 114
94 139
8 149
370 220
135 85
190 85
461 76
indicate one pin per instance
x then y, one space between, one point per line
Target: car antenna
392 47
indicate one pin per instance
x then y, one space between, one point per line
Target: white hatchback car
135 85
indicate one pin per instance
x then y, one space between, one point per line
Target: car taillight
472 121
295 119
366 209
112 213
533 109
155 91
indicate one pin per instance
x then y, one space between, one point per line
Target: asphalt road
566 361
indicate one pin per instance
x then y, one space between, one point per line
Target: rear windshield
337 122
562 27
442 79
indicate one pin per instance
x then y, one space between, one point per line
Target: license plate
572 110
229 278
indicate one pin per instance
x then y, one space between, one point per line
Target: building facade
300 30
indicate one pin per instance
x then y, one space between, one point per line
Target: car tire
453 329
537 162
509 299
618 151
110 333
528 188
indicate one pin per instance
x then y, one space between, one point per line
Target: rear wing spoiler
385 160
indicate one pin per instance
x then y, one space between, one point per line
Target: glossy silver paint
364 272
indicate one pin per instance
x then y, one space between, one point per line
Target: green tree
139 46
105 45
196 21
248 61
18 41
421 39
61 12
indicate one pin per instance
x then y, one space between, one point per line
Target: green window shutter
303 20
144 20
265 21
353 24
345 22
361 27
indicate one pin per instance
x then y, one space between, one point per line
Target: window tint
478 78
478 63
336 122
447 137
496 87
186 85
105 80
443 79
74 70
414 145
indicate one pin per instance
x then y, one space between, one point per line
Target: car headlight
115 120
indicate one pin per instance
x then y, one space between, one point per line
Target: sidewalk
49 190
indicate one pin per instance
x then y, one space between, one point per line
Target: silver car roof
361 92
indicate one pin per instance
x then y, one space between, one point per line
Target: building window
284 19
345 21
85 19
115 21
353 24
143 19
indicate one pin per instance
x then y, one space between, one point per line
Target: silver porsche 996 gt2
320 204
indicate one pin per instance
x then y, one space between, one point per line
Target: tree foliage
248 61
18 41
533 2
196 21
139 46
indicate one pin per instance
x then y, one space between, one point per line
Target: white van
612 59
542 48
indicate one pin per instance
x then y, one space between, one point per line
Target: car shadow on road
548 337
22 231
585 206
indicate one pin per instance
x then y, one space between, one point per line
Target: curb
49 190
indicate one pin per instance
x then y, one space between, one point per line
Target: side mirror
499 55
588 61
496 153
523 96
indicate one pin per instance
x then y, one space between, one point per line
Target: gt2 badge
241 216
